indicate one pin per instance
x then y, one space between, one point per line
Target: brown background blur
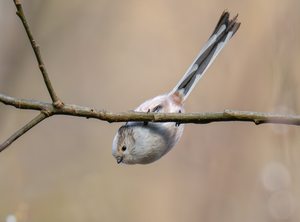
114 55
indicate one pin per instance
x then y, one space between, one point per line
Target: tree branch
56 101
23 130
48 109
198 118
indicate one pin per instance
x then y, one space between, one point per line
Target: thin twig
48 109
56 101
23 130
24 103
198 118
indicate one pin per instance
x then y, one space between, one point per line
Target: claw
146 123
178 124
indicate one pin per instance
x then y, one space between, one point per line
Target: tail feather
223 31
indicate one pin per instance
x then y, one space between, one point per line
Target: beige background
114 55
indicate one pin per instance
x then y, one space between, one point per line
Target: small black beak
119 159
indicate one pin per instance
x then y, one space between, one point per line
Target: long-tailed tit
143 143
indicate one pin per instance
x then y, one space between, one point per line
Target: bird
146 142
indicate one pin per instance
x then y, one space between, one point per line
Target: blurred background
113 55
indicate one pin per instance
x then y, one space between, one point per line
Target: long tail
224 30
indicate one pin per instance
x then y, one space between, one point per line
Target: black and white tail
224 30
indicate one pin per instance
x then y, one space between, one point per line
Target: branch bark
48 109
23 130
198 118
36 49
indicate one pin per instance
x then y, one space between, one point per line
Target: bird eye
124 148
